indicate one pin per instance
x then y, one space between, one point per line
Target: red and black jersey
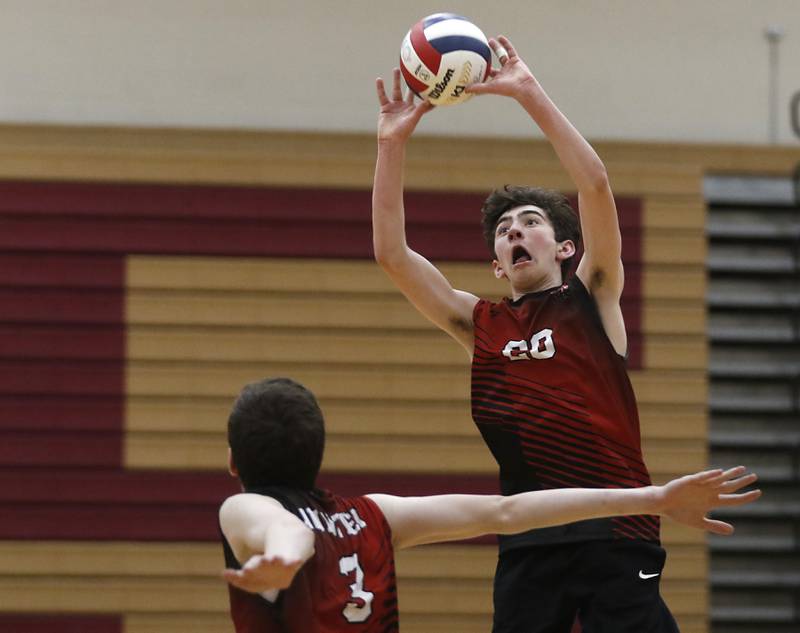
553 402
347 586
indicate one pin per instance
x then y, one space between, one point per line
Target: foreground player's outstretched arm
419 280
418 520
270 543
600 268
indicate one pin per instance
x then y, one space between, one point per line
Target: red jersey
347 586
553 402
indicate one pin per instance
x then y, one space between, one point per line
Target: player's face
527 252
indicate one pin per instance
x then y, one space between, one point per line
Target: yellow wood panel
255 309
378 453
341 416
204 155
362 277
177 623
109 594
299 158
206 344
674 282
674 421
683 247
218 623
686 212
423 383
673 352
441 596
263 274
714 157
687 562
156 595
339 310
409 623
674 317
114 558
382 417
204 560
163 585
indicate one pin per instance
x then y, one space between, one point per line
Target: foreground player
302 560
550 392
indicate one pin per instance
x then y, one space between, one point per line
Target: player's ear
498 270
565 250
231 466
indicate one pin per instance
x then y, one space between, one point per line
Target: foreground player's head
499 208
276 435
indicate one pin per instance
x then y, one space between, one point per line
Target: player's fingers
506 44
737 484
717 527
739 499
731 473
422 107
233 576
499 50
397 92
704 476
381 90
482 87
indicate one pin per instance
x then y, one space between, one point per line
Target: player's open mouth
519 256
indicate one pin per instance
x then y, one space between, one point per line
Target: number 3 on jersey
361 606
541 347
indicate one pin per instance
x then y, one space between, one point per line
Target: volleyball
441 55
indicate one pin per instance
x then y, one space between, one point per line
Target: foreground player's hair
276 433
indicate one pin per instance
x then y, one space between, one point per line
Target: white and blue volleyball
441 55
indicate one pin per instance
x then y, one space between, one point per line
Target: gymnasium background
184 207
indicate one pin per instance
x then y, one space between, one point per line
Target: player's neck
544 283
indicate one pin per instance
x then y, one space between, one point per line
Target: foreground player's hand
398 116
511 79
261 574
689 499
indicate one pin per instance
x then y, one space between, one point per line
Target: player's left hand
261 574
512 78
689 499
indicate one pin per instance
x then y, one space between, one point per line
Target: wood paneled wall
131 316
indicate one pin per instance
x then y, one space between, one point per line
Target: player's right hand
398 116
260 574
689 499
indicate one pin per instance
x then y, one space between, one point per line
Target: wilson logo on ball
437 49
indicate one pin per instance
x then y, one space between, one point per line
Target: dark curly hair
276 432
562 216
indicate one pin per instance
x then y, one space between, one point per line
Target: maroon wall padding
116 505
60 623
278 222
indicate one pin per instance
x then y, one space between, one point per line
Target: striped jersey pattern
553 402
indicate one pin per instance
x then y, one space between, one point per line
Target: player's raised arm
269 542
600 268
419 520
420 281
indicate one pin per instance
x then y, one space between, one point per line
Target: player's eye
502 229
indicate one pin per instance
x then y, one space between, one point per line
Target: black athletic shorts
610 586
